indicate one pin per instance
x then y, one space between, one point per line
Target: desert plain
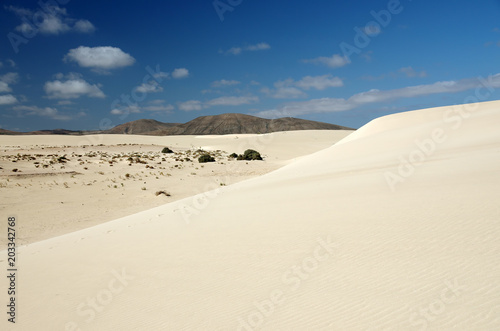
392 227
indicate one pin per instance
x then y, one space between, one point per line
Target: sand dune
68 183
393 228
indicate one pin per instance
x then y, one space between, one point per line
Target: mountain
3 131
56 131
241 123
203 125
143 126
48 132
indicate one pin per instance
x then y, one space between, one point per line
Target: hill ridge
227 123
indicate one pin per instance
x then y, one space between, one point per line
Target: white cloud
223 83
335 61
10 78
11 62
7 99
151 87
410 72
284 89
190 105
45 112
235 50
180 73
251 48
4 87
406 71
19 11
289 88
68 76
258 47
103 58
160 75
231 101
221 101
319 82
72 89
160 108
53 25
374 96
51 20
126 110
372 29
156 106
284 92
84 26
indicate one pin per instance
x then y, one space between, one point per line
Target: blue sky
93 64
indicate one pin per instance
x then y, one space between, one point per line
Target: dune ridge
393 228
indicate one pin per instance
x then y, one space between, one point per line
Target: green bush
234 155
167 150
249 155
206 158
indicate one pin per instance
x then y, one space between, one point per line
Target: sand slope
394 228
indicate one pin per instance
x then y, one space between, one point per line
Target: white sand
332 241
86 190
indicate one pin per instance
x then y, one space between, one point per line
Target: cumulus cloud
284 92
224 83
221 101
251 48
68 76
234 50
153 106
410 72
50 112
258 47
10 78
190 105
319 82
132 109
335 61
19 11
49 20
72 89
100 58
7 99
160 75
4 87
231 101
180 73
289 88
372 29
84 26
405 71
159 108
324 105
151 87
6 80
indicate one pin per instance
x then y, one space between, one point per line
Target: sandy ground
60 184
395 227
